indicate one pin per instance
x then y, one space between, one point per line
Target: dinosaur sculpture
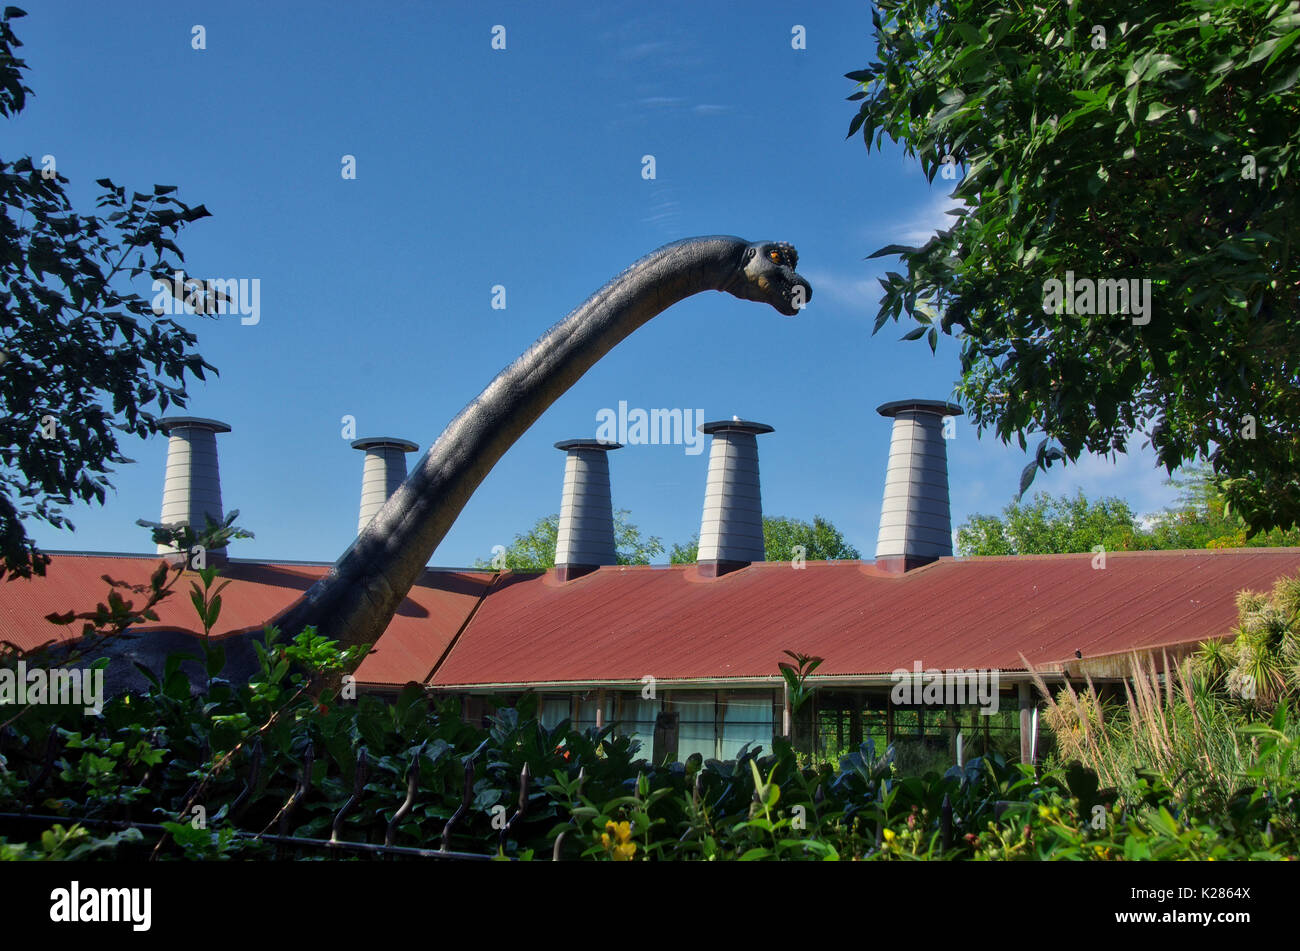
355 601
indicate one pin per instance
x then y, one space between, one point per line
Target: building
685 657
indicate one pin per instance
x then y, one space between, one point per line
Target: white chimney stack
384 471
915 518
731 531
586 533
192 484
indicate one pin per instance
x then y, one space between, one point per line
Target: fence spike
254 774
466 799
945 823
524 777
358 783
304 783
412 785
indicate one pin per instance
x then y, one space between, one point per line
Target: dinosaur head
767 274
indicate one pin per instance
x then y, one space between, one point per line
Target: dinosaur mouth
792 293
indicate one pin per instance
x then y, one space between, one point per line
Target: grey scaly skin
354 603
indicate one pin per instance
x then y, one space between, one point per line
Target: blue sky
519 167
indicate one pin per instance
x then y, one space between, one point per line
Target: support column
1026 720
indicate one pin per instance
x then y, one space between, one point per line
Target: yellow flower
889 835
1044 812
617 840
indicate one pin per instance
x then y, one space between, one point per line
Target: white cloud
843 290
922 225
642 50
1134 476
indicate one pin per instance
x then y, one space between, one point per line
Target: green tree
535 549
1148 141
1050 525
1203 519
81 359
821 541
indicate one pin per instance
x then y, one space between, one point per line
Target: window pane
747 719
587 712
638 721
554 710
696 731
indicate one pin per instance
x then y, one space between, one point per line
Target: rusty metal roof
434 610
620 624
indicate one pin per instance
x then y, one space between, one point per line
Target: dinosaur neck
354 603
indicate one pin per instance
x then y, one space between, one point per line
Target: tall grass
1195 725
1175 726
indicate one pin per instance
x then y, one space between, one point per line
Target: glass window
637 720
746 718
587 711
697 732
554 710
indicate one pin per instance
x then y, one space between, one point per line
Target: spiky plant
1264 636
1211 663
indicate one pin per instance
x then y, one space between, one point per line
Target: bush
216 770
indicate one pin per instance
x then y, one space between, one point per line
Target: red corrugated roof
623 623
620 624
434 610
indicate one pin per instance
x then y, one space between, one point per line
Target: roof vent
192 483
384 471
915 518
585 540
731 531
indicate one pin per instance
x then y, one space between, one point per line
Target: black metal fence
287 846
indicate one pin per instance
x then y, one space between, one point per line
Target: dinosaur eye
775 255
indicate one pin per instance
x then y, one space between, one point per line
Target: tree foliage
1050 525
534 550
1203 519
82 357
821 541
1147 141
